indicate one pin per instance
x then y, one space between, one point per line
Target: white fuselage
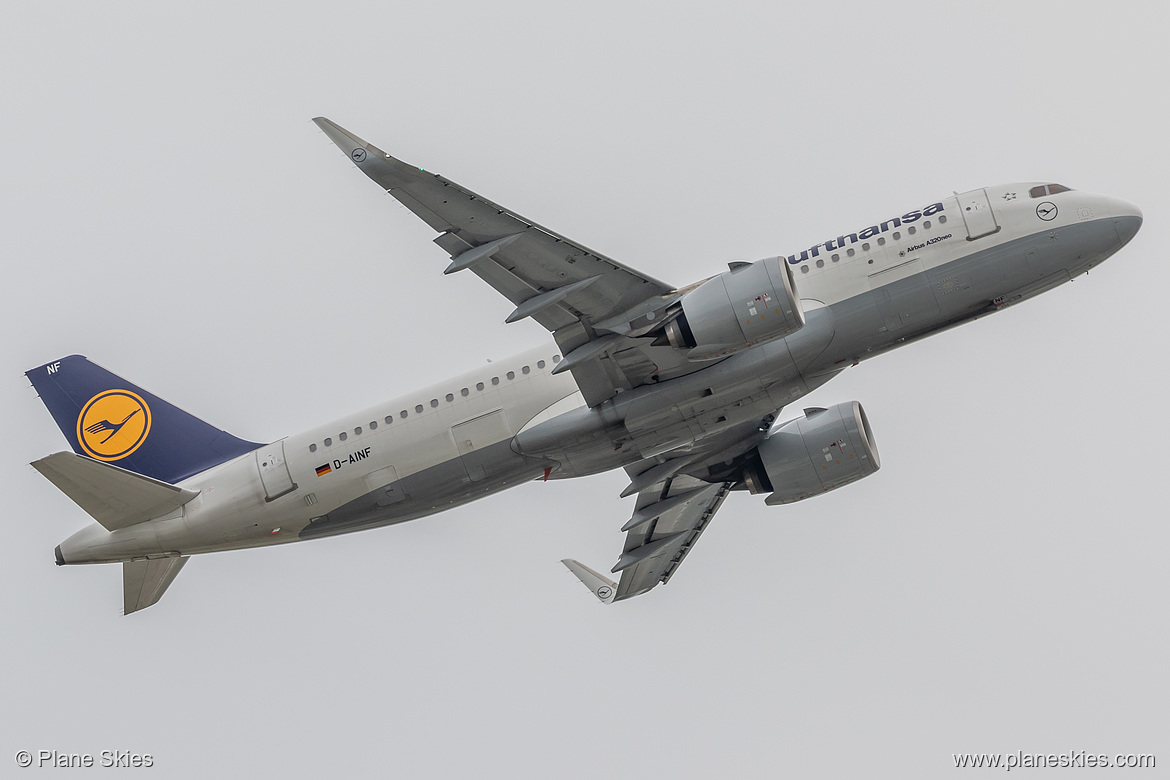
421 453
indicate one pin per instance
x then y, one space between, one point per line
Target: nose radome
1127 219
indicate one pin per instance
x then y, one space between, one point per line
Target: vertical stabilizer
106 418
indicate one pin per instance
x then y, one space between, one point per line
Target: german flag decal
323 470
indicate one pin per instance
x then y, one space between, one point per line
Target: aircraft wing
667 521
590 303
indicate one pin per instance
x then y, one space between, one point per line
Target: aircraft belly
958 289
436 468
433 489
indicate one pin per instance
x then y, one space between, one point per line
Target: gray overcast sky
170 211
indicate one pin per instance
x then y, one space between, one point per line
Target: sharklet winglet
600 586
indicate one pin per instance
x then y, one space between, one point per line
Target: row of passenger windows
434 403
881 241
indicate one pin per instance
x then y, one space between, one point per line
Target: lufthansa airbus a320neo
679 386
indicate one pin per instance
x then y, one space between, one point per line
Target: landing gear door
977 213
273 470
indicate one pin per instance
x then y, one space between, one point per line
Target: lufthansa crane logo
1046 211
113 424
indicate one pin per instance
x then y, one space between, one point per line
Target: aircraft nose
1127 219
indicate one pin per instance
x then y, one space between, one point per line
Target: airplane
679 386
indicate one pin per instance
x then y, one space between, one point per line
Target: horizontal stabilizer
114 497
144 582
604 589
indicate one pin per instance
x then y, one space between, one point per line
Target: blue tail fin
109 419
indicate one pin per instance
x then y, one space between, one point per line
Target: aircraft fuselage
864 292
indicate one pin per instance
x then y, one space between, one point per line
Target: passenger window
926 224
524 370
450 397
556 358
942 219
403 414
434 403
373 425
418 409
882 240
850 251
897 236
357 431
540 364
479 385
328 442
312 448
865 247
836 258
464 392
804 269
911 230
495 380
389 419
511 375
342 436
821 263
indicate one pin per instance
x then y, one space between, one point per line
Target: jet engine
822 451
748 305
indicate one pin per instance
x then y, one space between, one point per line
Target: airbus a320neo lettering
679 386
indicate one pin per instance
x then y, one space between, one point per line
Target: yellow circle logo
113 424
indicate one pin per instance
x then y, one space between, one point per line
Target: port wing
668 519
594 306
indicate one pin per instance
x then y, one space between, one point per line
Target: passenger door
273 470
977 214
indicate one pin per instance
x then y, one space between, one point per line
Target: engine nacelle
822 451
749 305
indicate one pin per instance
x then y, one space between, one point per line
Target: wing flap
534 265
116 498
671 535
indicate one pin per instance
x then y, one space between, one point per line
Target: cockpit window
1047 189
